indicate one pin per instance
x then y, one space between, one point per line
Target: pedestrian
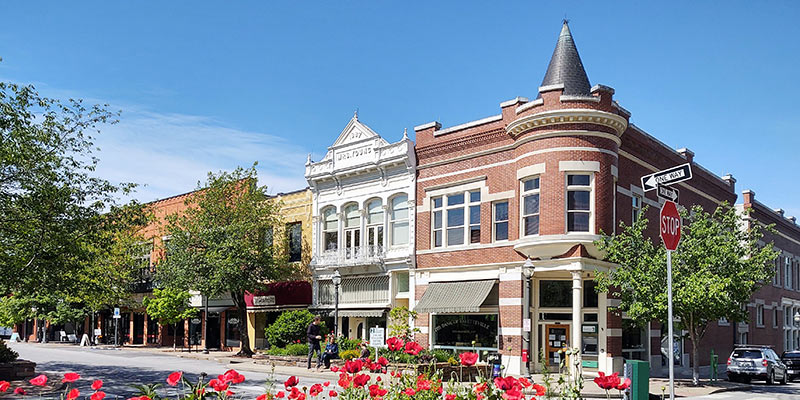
331 351
313 333
364 355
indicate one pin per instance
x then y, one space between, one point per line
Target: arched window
352 229
330 229
374 225
399 220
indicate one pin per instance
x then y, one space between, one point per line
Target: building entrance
556 338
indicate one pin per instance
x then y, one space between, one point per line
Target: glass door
556 338
352 239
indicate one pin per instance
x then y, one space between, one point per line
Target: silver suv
756 363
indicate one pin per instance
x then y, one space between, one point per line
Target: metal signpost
116 325
376 339
670 228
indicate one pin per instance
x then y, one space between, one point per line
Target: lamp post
205 325
337 280
527 271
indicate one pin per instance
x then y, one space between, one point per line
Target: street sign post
668 193
117 316
667 177
670 228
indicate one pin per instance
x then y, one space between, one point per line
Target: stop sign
670 225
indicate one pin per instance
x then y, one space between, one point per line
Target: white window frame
372 226
775 317
537 191
324 230
759 315
723 322
352 232
788 278
393 221
636 207
495 221
590 189
776 279
444 208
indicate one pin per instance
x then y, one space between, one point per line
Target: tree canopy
716 268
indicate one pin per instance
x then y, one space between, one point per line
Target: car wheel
771 378
785 379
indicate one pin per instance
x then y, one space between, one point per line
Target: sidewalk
683 387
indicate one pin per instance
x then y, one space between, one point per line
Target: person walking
313 333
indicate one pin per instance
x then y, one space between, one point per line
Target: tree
169 306
55 214
715 270
217 243
290 327
400 319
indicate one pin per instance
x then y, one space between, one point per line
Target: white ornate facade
363 226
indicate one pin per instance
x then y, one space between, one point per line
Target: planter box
17 370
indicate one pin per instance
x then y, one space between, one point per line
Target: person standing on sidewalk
313 333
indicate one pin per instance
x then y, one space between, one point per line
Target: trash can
640 379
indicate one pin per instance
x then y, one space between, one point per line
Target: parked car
748 363
792 361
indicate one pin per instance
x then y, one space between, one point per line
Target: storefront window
463 329
589 294
232 324
555 293
633 341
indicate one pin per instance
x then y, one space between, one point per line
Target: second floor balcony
349 256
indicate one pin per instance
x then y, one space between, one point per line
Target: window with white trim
636 206
530 206
500 223
579 194
775 317
330 229
743 337
374 223
352 230
776 279
456 219
788 274
723 322
398 229
760 315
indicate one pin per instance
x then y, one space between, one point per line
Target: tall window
578 202
775 317
501 220
399 220
269 239
374 224
787 275
636 205
776 279
352 229
450 224
295 233
530 207
759 315
330 229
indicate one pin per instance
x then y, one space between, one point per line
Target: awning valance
358 313
454 297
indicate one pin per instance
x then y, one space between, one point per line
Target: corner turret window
579 193
399 220
530 207
501 220
330 229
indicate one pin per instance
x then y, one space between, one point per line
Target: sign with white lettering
667 177
376 336
116 313
350 157
263 300
670 225
668 193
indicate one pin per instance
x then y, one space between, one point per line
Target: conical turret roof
566 67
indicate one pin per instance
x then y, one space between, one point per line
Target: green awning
454 297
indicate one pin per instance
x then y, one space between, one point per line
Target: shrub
289 328
348 344
6 354
297 349
442 355
349 354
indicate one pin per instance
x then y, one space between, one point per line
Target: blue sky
211 85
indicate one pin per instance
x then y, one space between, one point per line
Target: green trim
589 364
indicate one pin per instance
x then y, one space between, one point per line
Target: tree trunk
238 300
695 356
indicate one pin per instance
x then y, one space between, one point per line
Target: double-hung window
787 276
399 220
330 229
579 193
456 219
352 230
530 207
760 315
636 205
501 220
295 233
374 225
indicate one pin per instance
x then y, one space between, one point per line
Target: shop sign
264 300
376 336
233 321
196 321
589 328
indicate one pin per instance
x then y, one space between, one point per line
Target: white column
577 302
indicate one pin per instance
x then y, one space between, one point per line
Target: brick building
541 179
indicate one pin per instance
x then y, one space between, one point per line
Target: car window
752 354
791 355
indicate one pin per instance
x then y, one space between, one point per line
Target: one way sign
668 193
667 177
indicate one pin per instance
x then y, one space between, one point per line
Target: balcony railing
359 255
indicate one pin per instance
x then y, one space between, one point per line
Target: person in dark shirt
314 335
331 351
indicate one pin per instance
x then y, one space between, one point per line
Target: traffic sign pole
669 328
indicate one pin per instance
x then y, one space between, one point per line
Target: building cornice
568 116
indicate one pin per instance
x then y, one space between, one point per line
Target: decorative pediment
354 132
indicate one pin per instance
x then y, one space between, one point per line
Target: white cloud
169 153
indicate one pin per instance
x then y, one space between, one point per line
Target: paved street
120 368
761 391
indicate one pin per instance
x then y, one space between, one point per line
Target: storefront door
213 338
556 338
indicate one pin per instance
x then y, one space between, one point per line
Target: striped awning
454 297
359 313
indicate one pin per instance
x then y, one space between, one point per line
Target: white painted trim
528 106
514 101
549 88
512 301
431 124
492 197
526 155
567 116
511 276
423 329
614 171
450 186
470 124
531 170
473 246
581 166
588 99
624 191
614 332
506 331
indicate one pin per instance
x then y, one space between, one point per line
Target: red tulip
506 383
360 380
333 393
423 385
280 394
292 381
394 343
73 394
625 384
344 381
70 377
40 380
229 393
326 383
378 379
20 391
296 394
413 348
480 388
4 386
514 393
409 392
232 376
97 384
449 397
607 381
97 396
468 359
174 378
540 390
315 390
334 369
377 391
353 366
263 397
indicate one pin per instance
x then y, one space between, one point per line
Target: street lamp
205 324
527 271
337 280
797 318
